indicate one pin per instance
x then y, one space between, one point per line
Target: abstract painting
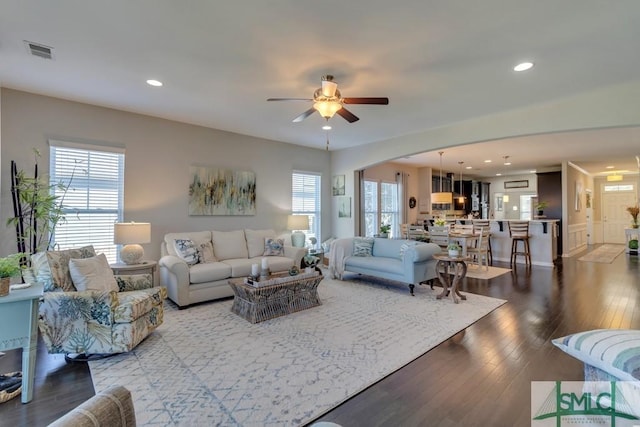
216 191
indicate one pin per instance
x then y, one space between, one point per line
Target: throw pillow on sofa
186 249
59 265
273 247
92 274
363 246
205 253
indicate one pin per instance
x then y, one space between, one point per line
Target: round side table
451 271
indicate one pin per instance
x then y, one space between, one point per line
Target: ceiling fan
328 101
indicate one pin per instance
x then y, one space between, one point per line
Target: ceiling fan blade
376 101
347 115
289 99
304 115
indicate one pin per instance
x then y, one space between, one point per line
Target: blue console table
18 328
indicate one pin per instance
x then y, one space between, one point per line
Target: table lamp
131 234
297 223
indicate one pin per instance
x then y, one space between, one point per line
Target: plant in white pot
9 267
454 250
384 230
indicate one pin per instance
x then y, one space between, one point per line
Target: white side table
143 267
18 328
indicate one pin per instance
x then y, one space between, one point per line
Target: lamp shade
441 198
298 222
125 233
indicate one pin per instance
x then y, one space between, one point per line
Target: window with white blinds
94 199
305 200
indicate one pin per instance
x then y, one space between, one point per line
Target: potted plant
454 250
540 207
440 222
634 210
9 267
384 230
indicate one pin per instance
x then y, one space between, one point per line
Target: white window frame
391 216
306 199
95 198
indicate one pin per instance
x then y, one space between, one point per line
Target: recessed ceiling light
533 171
487 161
152 82
498 174
468 167
610 167
326 127
523 66
507 163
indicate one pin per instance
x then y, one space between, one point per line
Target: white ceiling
438 61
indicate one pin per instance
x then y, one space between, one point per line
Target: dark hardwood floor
480 377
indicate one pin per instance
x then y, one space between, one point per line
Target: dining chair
484 223
439 234
480 252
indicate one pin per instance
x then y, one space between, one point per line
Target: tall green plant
37 208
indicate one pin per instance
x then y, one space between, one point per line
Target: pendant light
461 197
441 197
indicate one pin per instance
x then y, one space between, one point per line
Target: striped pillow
615 351
363 246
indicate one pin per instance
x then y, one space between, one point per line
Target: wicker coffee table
257 304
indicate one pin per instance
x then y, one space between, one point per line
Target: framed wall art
217 191
337 185
524 183
344 207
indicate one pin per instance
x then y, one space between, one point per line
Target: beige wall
158 155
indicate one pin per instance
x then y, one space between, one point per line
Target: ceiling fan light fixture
329 87
327 109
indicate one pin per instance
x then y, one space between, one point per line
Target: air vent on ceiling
39 50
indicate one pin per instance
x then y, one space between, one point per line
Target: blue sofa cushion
382 264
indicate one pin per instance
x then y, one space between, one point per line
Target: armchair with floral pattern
93 322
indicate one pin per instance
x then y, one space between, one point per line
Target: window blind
305 200
93 201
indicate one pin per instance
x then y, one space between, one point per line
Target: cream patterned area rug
206 366
605 254
476 272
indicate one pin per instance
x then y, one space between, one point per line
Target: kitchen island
543 241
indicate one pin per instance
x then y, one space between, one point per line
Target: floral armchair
90 322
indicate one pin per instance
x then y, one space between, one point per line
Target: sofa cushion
240 267
273 247
230 244
201 273
255 241
389 248
186 250
615 351
362 246
93 274
382 264
198 237
59 265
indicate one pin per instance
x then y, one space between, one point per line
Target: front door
615 217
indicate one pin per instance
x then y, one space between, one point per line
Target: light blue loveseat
405 261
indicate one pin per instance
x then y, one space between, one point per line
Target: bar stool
480 224
519 232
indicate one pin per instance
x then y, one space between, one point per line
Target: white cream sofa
234 251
